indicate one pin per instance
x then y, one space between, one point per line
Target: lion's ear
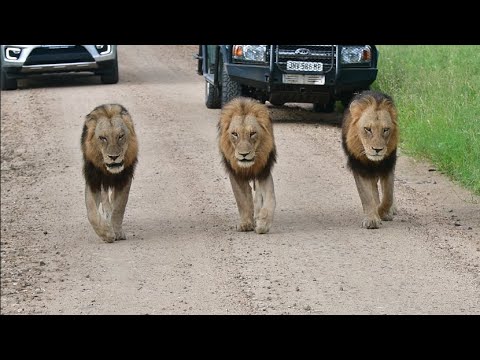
91 116
224 123
90 124
393 113
127 119
356 107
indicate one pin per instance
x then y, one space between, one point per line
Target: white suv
20 61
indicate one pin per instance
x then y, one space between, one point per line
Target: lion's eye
368 129
234 134
121 137
253 133
103 138
386 130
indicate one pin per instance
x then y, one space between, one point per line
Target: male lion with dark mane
110 149
248 150
370 139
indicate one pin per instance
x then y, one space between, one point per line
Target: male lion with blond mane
110 149
370 139
248 150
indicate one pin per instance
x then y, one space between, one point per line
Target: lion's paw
105 232
120 235
371 223
394 210
262 227
387 215
263 221
247 226
108 238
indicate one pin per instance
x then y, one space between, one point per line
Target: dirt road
182 254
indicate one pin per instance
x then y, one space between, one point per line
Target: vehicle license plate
304 66
303 79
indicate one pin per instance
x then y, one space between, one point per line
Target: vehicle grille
41 55
325 54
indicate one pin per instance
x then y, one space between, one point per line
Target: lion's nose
377 149
244 153
113 157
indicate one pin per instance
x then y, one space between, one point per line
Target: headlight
104 49
256 53
356 54
12 53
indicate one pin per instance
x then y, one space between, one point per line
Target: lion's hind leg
264 204
243 196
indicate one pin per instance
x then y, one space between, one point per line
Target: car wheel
111 75
324 108
212 96
230 88
8 83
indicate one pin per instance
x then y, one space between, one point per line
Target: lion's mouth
245 162
375 157
114 165
115 168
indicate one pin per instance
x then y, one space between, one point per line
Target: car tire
8 83
111 76
230 88
324 108
212 96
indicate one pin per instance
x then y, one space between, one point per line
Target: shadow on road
59 80
303 113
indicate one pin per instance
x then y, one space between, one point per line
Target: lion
370 139
110 149
248 151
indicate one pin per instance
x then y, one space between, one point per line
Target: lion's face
370 129
109 139
111 136
246 136
375 130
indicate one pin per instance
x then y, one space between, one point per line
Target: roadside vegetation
437 93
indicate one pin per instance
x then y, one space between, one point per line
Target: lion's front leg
99 213
387 207
119 202
264 204
369 200
243 196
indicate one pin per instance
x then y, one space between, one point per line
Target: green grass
437 93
